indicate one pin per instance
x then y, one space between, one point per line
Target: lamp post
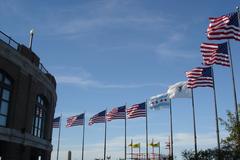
31 38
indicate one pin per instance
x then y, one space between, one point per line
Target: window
5 94
39 117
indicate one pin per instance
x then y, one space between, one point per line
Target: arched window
5 94
39 117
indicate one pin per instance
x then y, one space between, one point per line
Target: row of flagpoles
220 28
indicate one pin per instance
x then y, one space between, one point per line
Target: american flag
136 110
98 118
56 122
215 54
75 120
200 77
117 113
224 27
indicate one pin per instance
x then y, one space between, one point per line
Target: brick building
27 103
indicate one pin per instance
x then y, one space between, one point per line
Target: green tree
230 149
232 141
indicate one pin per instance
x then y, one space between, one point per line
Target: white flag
179 90
159 101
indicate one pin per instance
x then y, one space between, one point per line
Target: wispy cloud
170 48
77 76
89 83
79 25
169 51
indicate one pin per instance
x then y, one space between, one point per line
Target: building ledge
26 139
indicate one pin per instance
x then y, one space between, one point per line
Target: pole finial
32 31
237 8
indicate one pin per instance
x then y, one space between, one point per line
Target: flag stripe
98 118
56 122
200 77
136 110
76 120
215 54
224 27
117 113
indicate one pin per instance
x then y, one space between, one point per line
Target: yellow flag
155 144
137 145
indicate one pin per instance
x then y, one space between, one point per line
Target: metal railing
11 42
42 68
8 40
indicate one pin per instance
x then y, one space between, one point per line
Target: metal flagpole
146 130
105 137
236 105
169 148
125 149
139 152
59 134
233 81
171 128
216 116
131 149
194 127
159 151
152 147
83 137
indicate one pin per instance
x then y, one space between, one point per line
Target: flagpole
216 116
105 137
59 134
171 128
159 151
236 105
139 151
125 149
83 138
131 149
233 81
194 127
153 149
146 130
169 148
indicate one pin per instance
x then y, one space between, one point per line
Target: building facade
27 103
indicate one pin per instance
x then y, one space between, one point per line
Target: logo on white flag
179 90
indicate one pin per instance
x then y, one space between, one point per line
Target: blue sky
106 53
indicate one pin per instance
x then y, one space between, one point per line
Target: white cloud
78 76
171 49
78 25
89 83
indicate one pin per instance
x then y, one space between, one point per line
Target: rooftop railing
15 45
8 40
